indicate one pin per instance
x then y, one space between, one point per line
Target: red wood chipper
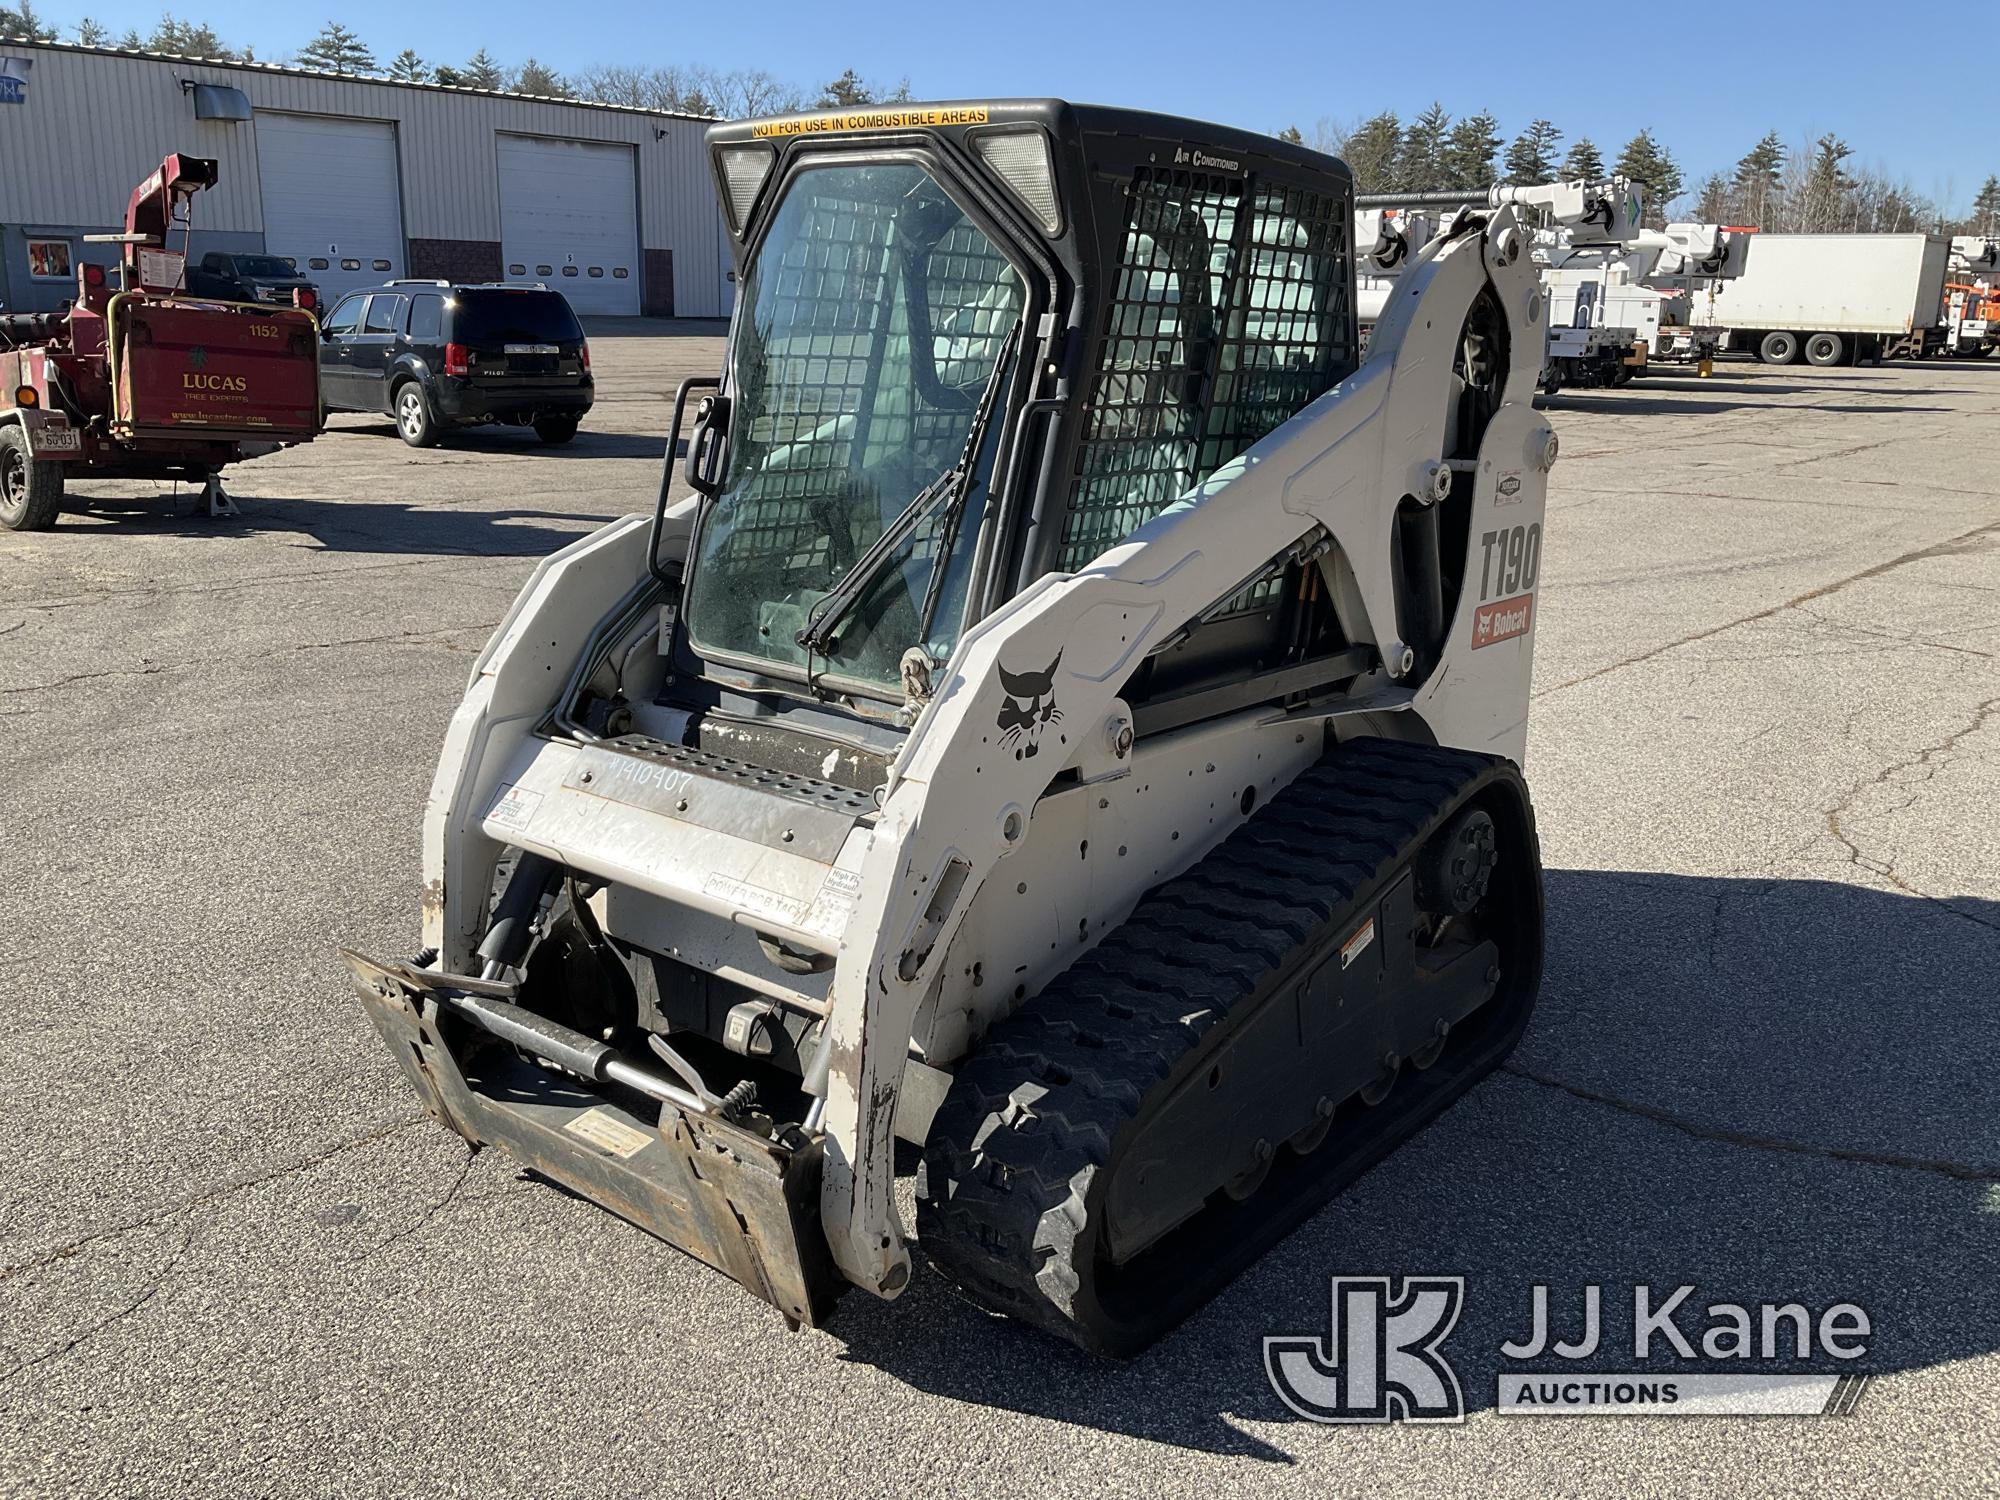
143 381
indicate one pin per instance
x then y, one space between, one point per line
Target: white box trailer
1832 298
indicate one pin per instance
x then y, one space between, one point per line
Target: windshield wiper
949 489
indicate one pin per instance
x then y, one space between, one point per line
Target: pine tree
1292 135
845 92
337 50
1531 160
1469 151
482 72
1823 194
1647 163
90 34
544 82
1372 153
1758 176
187 39
447 76
21 23
696 102
1899 211
1422 164
131 41
1986 208
1583 161
1717 203
407 67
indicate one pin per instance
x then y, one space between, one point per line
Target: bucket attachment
734 1200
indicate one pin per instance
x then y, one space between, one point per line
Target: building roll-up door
569 218
333 198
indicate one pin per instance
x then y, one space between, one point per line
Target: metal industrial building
358 179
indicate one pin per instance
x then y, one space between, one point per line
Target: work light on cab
744 169
1020 158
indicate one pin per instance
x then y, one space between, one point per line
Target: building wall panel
97 121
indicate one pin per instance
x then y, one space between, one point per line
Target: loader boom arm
1339 469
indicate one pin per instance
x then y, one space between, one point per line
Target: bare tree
747 91
694 90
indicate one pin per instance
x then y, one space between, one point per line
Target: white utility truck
1617 292
1833 298
1684 263
1972 297
1645 284
1594 338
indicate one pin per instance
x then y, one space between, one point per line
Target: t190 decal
1513 558
1510 562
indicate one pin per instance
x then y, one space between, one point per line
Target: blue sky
1707 82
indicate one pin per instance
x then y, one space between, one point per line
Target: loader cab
978 343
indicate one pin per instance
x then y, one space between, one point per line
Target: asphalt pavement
1765 749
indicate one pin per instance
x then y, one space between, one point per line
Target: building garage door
569 216
333 199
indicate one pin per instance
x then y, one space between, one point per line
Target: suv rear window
507 317
426 315
384 313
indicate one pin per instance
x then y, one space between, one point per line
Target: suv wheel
555 429
413 415
31 491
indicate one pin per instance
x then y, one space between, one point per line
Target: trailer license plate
58 440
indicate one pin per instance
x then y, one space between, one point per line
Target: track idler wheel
1457 866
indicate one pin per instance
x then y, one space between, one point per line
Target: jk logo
1379 1362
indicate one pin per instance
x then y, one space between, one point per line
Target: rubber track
1031 1118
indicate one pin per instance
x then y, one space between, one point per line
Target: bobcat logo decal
1029 709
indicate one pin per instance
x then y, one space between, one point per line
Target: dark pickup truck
245 278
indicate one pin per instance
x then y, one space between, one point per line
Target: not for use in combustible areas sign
868 119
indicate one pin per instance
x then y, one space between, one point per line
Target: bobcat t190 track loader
1075 728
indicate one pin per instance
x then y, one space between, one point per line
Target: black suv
437 356
246 278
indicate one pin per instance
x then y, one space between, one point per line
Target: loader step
1259 1032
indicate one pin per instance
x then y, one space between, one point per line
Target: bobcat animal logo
1030 708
